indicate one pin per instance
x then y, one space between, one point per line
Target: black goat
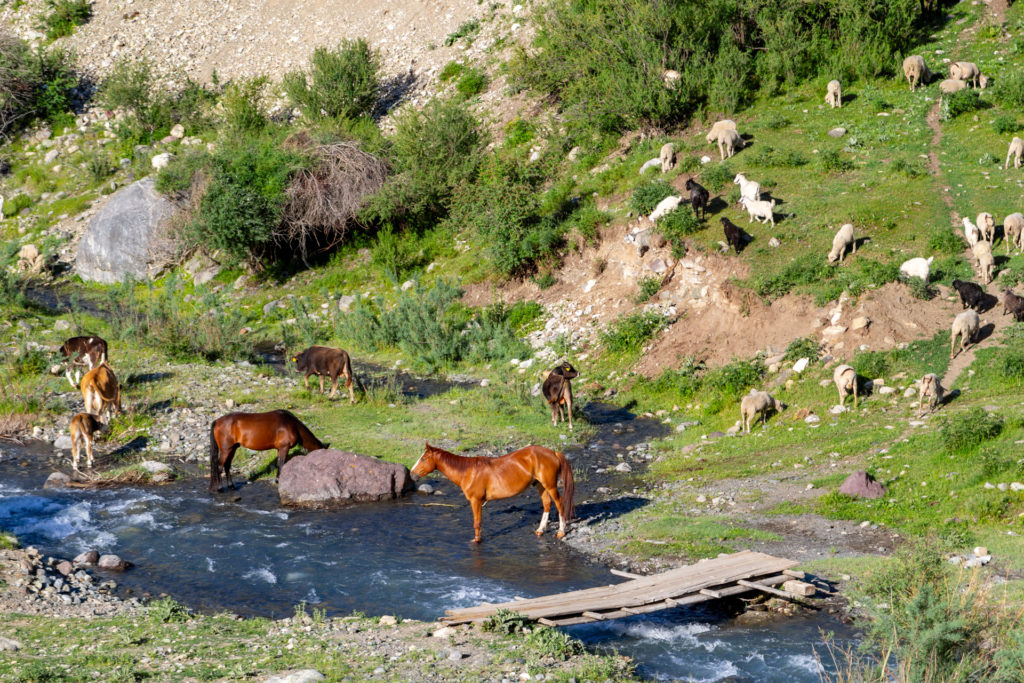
733 235
971 294
699 197
1013 304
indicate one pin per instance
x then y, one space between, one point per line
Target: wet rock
301 676
152 466
56 480
112 563
88 557
62 442
425 488
860 484
329 477
65 568
623 467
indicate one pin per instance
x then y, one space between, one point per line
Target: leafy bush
243 105
518 132
472 82
963 432
1009 90
167 611
131 87
63 16
769 157
920 288
803 347
803 270
910 169
959 103
33 84
630 332
545 279
949 268
522 313
647 194
343 82
507 622
716 176
676 225
832 162
1007 123
467 29
29 362
449 71
734 379
99 165
646 288
944 240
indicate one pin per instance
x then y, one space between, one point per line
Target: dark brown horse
483 479
258 432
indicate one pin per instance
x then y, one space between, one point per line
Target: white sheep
763 211
966 325
968 72
758 403
728 142
987 226
1016 150
951 85
668 157
842 240
845 378
917 267
748 188
986 262
1013 231
665 206
971 232
716 130
916 70
834 94
930 388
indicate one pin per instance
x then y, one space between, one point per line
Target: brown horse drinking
258 432
483 479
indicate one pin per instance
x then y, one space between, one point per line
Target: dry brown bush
323 201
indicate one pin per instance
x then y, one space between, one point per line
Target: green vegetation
62 16
630 332
33 84
342 84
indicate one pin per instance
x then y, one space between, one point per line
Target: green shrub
630 332
646 288
775 121
908 168
99 165
518 132
522 313
507 622
803 347
450 71
1009 90
467 29
802 270
832 162
733 380
131 87
1012 366
29 362
63 16
176 178
472 82
958 103
946 241
963 432
1007 123
33 84
15 204
716 176
244 111
167 611
676 225
771 158
920 288
647 194
545 279
949 268
342 83
391 256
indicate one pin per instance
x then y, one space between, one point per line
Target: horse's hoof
539 533
560 534
476 540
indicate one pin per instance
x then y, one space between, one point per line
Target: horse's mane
459 463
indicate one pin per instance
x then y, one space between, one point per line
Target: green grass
692 539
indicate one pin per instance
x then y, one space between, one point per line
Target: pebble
454 655
388 620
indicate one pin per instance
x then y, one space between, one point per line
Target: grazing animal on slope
845 378
277 429
483 479
930 389
917 267
1013 231
969 73
101 392
951 85
1013 304
1016 150
557 391
758 403
716 130
986 261
751 189
728 142
733 235
667 157
971 294
987 227
763 211
324 361
834 94
916 71
79 352
699 198
83 426
966 325
843 239
971 232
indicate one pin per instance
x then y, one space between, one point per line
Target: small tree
342 84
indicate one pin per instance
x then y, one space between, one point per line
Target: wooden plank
769 589
710 593
547 622
627 575
794 573
593 615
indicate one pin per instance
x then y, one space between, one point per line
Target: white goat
1013 231
748 188
842 240
930 388
971 232
763 211
845 378
1016 150
916 70
665 206
728 142
917 267
668 157
758 403
986 262
987 226
834 94
966 325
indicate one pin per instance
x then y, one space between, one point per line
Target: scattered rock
837 132
330 477
56 480
885 391
161 161
62 442
453 654
838 409
346 302
388 620
980 551
425 489
9 644
408 284
860 323
177 131
774 242
301 676
112 563
801 365
206 275
623 467
812 419
799 588
443 632
860 484
87 558
152 466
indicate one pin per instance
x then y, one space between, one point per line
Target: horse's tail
214 458
568 487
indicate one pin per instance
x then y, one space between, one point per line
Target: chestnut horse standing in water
483 479
258 432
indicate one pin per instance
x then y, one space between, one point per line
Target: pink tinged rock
328 478
113 563
860 484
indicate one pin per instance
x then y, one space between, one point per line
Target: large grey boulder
128 236
327 477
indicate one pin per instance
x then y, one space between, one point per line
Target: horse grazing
483 479
323 360
558 391
258 432
101 392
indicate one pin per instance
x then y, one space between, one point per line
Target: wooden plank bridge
721 577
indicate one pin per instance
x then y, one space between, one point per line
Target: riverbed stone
328 477
56 481
112 562
127 237
860 484
88 557
301 676
62 442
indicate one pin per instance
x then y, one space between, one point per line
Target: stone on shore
328 477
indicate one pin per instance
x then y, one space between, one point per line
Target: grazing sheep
665 206
699 197
951 85
971 294
987 226
845 378
1016 150
986 263
1013 304
930 388
968 72
842 240
668 157
966 325
916 70
748 188
971 232
834 94
758 403
1013 231
733 235
917 267
728 142
716 130
763 211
